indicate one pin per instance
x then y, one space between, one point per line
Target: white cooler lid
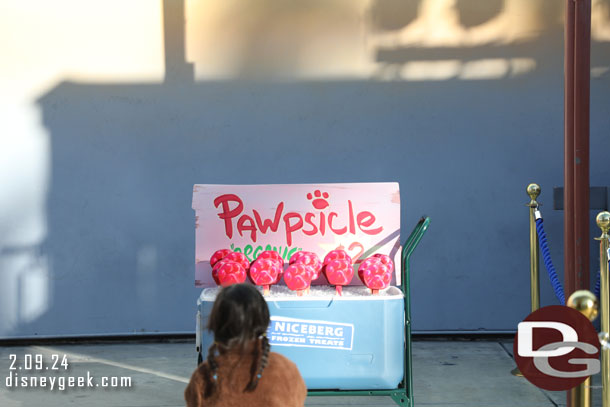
317 293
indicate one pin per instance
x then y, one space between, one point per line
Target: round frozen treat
218 255
310 259
336 255
369 261
215 272
270 254
295 257
264 272
273 256
377 276
385 259
230 272
339 272
239 258
298 276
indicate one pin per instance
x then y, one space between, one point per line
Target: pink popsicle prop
239 258
376 277
275 256
295 257
366 263
218 255
385 259
337 255
339 273
215 272
376 272
310 259
270 254
230 272
298 277
279 275
265 272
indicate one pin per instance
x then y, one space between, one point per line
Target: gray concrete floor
446 374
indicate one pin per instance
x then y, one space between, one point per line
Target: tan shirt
281 384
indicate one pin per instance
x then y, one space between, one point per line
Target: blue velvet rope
546 255
597 285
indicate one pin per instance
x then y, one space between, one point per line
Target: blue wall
124 158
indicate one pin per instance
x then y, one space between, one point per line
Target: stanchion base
516 372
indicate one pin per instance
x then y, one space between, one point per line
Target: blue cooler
354 341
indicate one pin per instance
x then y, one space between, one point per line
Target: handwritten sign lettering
310 223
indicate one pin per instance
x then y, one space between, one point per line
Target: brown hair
239 316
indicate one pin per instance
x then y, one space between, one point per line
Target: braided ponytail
265 357
209 372
256 374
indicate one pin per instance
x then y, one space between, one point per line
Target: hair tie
259 375
215 377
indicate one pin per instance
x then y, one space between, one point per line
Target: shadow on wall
447 112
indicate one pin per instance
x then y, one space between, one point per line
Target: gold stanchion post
603 221
585 302
533 190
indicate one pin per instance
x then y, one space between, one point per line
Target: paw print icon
319 199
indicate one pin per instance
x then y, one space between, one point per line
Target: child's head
239 315
239 318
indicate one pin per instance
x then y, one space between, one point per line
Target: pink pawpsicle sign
361 218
